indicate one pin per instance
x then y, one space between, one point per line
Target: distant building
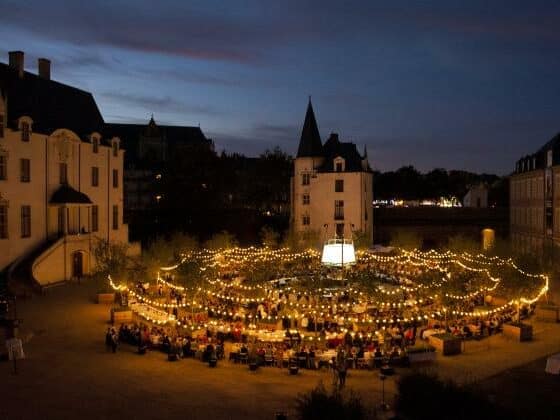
331 187
476 197
535 198
149 147
61 186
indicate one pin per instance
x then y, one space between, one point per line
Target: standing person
108 339
114 340
341 366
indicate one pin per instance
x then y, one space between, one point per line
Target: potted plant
421 354
547 312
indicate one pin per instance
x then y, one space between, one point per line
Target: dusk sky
456 84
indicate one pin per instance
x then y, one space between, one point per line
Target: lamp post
384 406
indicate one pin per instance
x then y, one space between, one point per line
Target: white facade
59 195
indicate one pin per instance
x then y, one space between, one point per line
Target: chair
268 360
243 358
362 363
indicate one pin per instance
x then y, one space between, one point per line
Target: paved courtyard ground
68 373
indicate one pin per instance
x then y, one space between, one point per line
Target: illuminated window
25 221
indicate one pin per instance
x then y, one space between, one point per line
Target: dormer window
339 164
95 144
25 131
549 158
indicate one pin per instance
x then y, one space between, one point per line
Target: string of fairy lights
392 295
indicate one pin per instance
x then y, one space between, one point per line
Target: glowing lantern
338 252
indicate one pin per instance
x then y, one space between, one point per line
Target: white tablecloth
553 364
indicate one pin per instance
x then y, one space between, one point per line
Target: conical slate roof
310 141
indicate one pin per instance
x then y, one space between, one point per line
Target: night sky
456 84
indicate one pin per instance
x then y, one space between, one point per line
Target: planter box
421 357
547 313
518 332
120 317
446 344
105 298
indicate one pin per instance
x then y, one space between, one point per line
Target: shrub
321 405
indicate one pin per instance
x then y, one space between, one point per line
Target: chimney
44 66
16 61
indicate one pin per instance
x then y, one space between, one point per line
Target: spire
365 151
310 141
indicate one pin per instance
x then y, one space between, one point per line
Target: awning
68 195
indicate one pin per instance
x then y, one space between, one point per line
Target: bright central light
338 252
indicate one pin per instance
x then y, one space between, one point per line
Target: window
115 178
1 126
305 199
338 166
340 230
94 176
63 173
305 179
25 221
94 218
95 142
115 149
25 131
338 210
339 185
25 170
3 221
115 217
3 167
306 220
549 158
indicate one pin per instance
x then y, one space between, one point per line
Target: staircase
19 277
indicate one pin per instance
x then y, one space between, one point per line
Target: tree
406 239
322 405
110 258
221 240
181 243
461 243
269 237
362 240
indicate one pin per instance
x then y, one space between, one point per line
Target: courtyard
66 360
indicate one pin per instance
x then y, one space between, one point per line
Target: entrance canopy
68 195
338 253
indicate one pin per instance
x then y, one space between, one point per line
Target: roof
173 136
334 148
68 195
50 104
310 141
538 160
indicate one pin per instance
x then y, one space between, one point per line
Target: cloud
158 104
